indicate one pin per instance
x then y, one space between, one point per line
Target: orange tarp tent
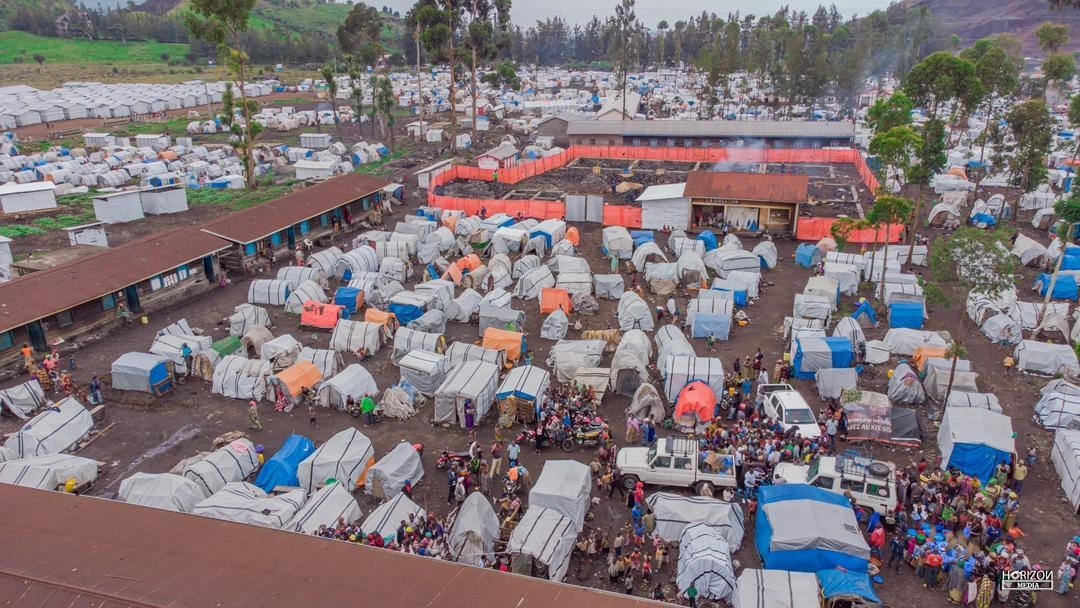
450 222
322 316
924 354
552 299
510 342
378 317
453 272
470 262
695 399
573 236
301 374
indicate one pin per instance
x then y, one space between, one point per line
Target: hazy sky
650 12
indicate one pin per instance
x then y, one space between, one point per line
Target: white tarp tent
681 371
905 342
776 589
849 328
386 518
533 281
161 491
905 386
351 336
1058 411
139 371
48 471
268 292
475 530
833 381
244 503
230 463
387 477
675 512
563 486
296 276
986 401
460 352
845 275
555 325
1046 359
541 543
617 242
634 313
1066 458
472 381
808 306
353 381
282 351
245 317
326 361
308 291
326 507
425 371
407 340
54 430
705 563
609 286
986 438
22 400
342 457
240 378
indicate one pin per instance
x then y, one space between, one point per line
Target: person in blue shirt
185 352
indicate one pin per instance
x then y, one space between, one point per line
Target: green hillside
16 45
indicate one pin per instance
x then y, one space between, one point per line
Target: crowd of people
424 536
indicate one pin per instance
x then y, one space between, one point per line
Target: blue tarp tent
1064 289
711 324
865 314
738 289
1072 258
984 219
281 469
642 236
806 529
838 583
406 313
975 441
807 255
906 314
812 354
347 297
709 239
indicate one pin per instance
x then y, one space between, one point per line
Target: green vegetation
379 168
19 47
15 231
312 18
175 126
236 200
60 222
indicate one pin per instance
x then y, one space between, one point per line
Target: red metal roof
303 204
748 186
41 294
81 551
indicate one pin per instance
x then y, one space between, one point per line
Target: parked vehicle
790 409
870 482
677 461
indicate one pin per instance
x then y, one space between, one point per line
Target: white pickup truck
871 483
676 461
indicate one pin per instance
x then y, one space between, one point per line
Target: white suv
791 410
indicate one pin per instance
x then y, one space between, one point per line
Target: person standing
312 420
1020 473
628 582
691 595
496 459
28 356
513 452
253 415
185 352
831 427
896 554
95 391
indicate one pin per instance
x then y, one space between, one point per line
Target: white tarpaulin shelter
986 401
563 486
240 378
705 563
975 441
161 491
475 530
849 328
308 291
54 430
246 317
808 306
1002 329
24 399
230 463
342 457
387 476
268 292
326 361
766 250
296 276
407 340
423 370
282 351
49 471
541 544
807 524
905 386
608 286
244 503
1066 458
139 372
473 381
351 336
617 241
845 275
905 342
386 518
1045 358
460 352
681 371
1058 411
353 381
533 281
675 512
555 325
833 381
776 589
326 507
634 313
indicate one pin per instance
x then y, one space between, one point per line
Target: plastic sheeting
240 378
806 529
1046 359
675 512
326 507
705 563
244 503
832 382
975 442
386 518
681 370
231 463
161 491
268 292
474 532
1066 458
555 326
542 542
905 386
634 313
24 399
343 457
474 382
52 431
425 371
353 381
48 471
1058 411
776 589
387 477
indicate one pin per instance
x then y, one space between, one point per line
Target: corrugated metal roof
14 188
662 192
748 186
303 204
83 551
713 128
41 294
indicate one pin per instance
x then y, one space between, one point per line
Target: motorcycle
587 437
528 437
447 458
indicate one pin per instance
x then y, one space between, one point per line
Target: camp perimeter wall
616 215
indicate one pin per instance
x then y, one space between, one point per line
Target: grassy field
21 45
315 17
237 200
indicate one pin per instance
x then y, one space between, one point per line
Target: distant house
555 127
503 156
665 205
746 202
312 169
615 109
27 198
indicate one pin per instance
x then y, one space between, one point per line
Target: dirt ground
152 435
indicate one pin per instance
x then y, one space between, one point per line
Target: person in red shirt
877 541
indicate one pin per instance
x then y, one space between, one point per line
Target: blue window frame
305 227
275 239
366 202
108 302
324 219
250 249
6 340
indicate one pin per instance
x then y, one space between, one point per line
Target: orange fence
618 215
815 229
548 210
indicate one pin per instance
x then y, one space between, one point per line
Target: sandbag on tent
474 531
766 251
975 442
407 340
24 399
555 326
308 291
268 292
776 589
359 260
807 529
812 354
281 469
246 317
832 382
634 313
563 486
386 518
541 544
244 503
241 378
675 512
161 491
52 431
353 381
472 383
326 361
710 318
845 275
618 242
1001 329
344 457
296 276
387 477
49 471
460 352
904 342
1058 411
986 401
609 286
328 506
141 372
705 563
230 463
351 336
533 281
848 327
682 370
905 386
1066 458
1046 359
423 370
497 317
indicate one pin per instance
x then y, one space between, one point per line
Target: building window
653 143
777 143
366 203
250 249
163 281
275 239
637 142
108 302
324 219
816 144
305 227
6 340
689 143
671 142
779 216
64 319
592 141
